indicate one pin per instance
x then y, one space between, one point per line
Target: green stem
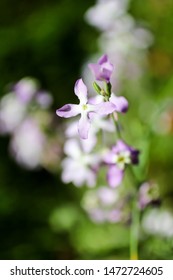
117 126
135 217
134 231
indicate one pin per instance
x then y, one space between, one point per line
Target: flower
26 89
84 108
27 144
120 102
79 167
103 204
103 69
105 12
120 155
148 192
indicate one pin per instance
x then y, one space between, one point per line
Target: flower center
84 107
122 158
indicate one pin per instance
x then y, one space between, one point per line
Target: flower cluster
94 146
124 40
96 154
25 115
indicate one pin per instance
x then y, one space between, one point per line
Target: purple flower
84 108
103 69
120 155
120 102
148 192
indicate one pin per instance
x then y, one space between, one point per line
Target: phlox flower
103 69
117 158
78 167
84 108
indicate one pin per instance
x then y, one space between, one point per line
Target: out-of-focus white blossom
105 12
102 204
159 222
79 167
121 38
26 117
27 144
12 112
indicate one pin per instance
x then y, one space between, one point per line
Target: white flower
78 166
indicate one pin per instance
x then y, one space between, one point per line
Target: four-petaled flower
103 69
84 108
120 155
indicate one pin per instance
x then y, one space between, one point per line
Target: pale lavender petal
104 108
109 158
80 90
103 59
120 102
68 110
95 69
106 74
72 148
83 126
114 176
120 147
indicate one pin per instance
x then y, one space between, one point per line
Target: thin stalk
135 217
134 231
116 126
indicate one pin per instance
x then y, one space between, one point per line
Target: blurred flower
117 158
84 108
148 192
102 205
26 117
159 222
44 99
105 12
103 69
27 144
25 89
79 167
124 41
12 112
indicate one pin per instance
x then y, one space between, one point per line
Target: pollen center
84 107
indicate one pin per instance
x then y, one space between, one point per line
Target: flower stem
135 215
134 230
116 126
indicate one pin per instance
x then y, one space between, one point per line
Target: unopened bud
97 88
108 89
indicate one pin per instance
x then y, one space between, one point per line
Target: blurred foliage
40 218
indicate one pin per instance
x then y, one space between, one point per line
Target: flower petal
103 59
120 102
95 69
114 176
72 148
80 90
68 110
83 126
104 108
